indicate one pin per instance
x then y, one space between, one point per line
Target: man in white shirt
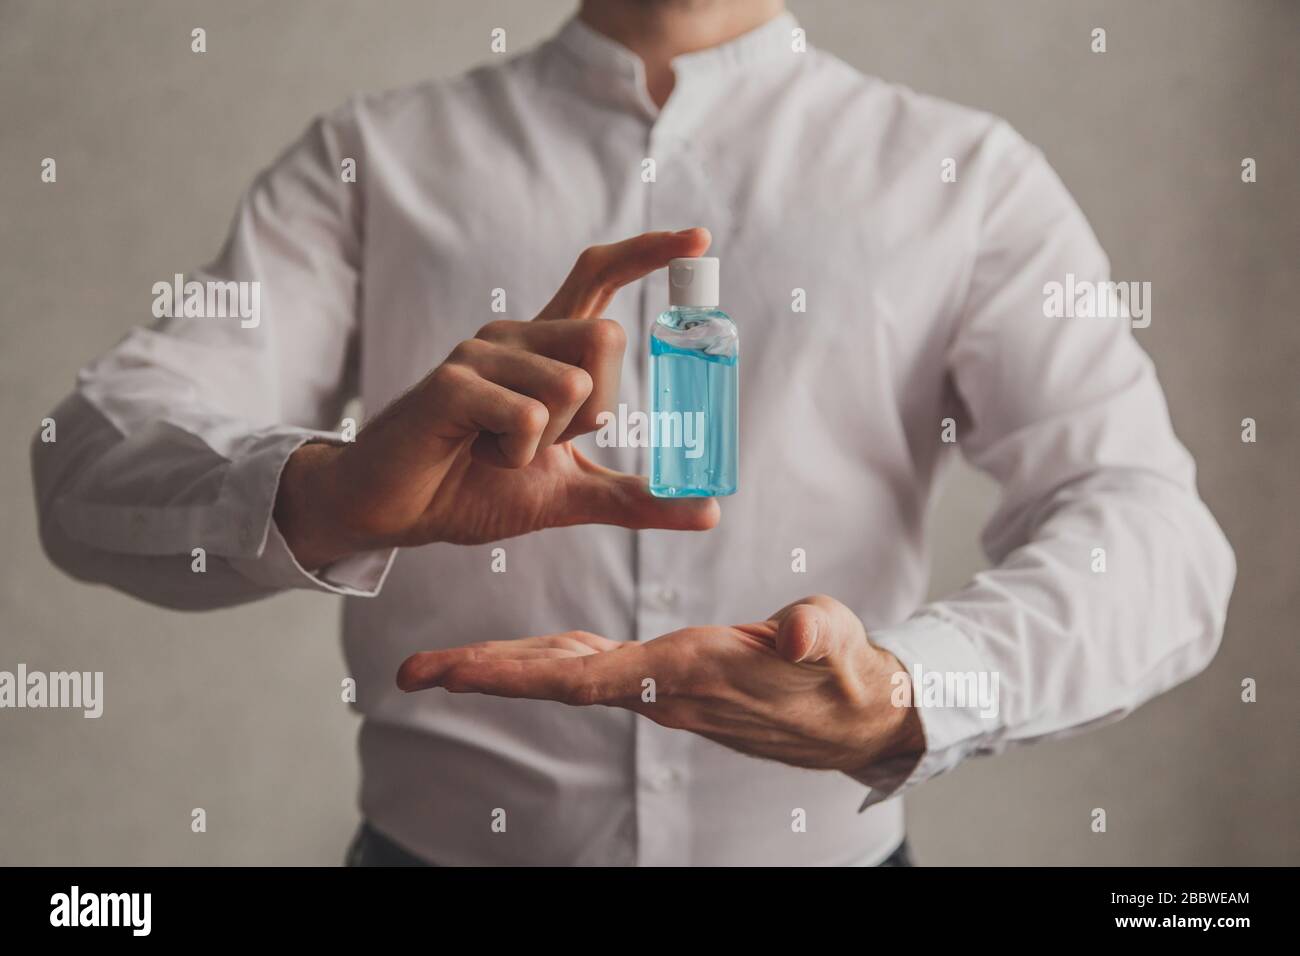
924 322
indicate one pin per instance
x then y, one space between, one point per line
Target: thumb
596 495
804 634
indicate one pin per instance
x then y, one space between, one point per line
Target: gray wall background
239 711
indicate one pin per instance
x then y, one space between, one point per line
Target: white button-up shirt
889 316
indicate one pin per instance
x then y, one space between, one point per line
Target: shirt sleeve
1111 579
162 475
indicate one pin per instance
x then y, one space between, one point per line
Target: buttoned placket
679 197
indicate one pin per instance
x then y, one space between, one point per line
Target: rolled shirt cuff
267 559
956 695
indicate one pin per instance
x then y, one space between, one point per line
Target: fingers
593 346
815 628
600 496
577 678
602 270
465 402
561 387
429 669
532 384
804 634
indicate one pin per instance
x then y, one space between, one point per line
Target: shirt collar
615 74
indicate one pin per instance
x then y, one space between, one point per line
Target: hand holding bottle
480 449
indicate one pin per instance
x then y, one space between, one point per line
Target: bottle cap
693 282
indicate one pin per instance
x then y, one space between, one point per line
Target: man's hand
480 449
804 687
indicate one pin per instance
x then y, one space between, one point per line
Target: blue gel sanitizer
694 388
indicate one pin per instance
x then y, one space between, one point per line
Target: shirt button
664 778
667 596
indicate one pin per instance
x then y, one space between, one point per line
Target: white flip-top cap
693 282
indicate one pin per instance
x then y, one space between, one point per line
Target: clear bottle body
694 403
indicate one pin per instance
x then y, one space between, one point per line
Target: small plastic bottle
694 385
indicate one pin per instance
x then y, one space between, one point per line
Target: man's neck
658 30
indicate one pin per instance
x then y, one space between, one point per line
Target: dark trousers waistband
371 848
